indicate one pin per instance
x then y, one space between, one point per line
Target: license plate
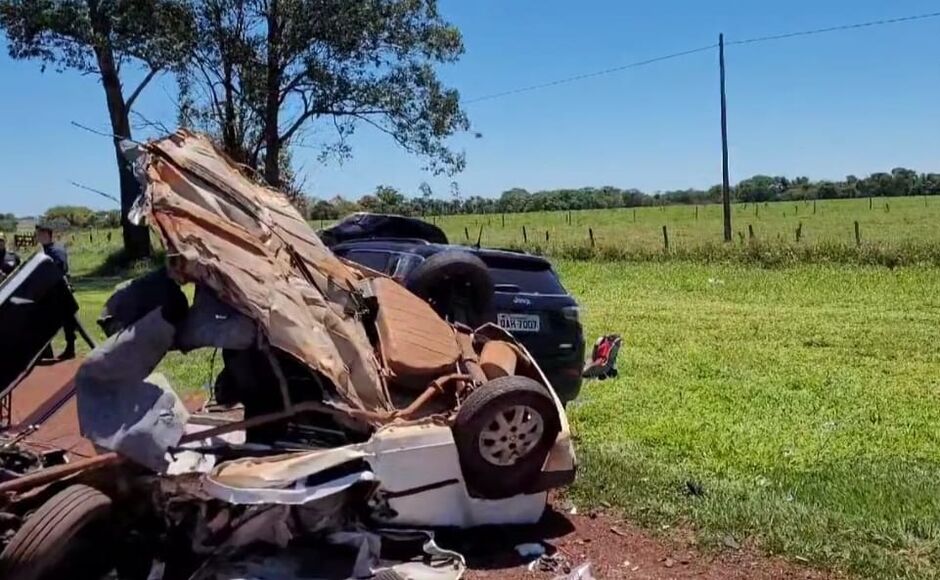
519 322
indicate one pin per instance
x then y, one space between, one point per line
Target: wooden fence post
634 215
869 203
858 235
814 207
591 235
756 210
887 207
665 239
525 236
466 233
799 232
480 236
750 232
696 213
504 220
796 209
546 235
741 236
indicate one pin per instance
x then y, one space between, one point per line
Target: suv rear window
540 281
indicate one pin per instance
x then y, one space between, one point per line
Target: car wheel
504 431
458 286
61 539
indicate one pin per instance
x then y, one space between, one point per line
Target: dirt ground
615 549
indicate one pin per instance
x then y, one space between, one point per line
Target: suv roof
362 225
493 257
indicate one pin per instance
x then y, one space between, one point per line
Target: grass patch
894 232
801 402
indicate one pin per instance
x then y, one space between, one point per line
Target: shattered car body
377 353
352 389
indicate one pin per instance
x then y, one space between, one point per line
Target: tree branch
130 100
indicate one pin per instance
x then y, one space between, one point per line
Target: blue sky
823 106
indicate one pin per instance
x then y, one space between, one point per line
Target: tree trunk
136 238
272 138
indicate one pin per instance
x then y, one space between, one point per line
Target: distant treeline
760 188
385 199
65 217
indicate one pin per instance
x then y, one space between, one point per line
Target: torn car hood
248 243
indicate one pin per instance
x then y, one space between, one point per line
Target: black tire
478 422
58 539
457 284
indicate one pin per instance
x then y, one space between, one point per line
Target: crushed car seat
414 340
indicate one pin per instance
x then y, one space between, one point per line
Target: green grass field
797 408
891 223
803 401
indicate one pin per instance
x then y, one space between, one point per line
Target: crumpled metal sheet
250 246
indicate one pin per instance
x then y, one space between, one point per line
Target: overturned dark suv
520 292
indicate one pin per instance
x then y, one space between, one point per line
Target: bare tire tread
44 536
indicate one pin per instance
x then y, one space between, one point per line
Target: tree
100 37
7 222
758 188
75 216
267 70
323 210
389 199
107 219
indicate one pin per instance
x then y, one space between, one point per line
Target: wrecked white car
348 406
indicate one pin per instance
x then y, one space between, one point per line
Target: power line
591 74
674 55
835 28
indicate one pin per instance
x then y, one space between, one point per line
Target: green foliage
7 222
757 189
75 216
71 33
264 72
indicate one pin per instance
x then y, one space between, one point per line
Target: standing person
60 257
8 260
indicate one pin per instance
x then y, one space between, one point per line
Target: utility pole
725 179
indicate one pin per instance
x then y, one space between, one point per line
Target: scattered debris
530 550
618 531
603 363
582 572
730 542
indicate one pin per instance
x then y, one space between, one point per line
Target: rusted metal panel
250 245
46 397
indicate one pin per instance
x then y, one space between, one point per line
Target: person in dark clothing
60 257
8 260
